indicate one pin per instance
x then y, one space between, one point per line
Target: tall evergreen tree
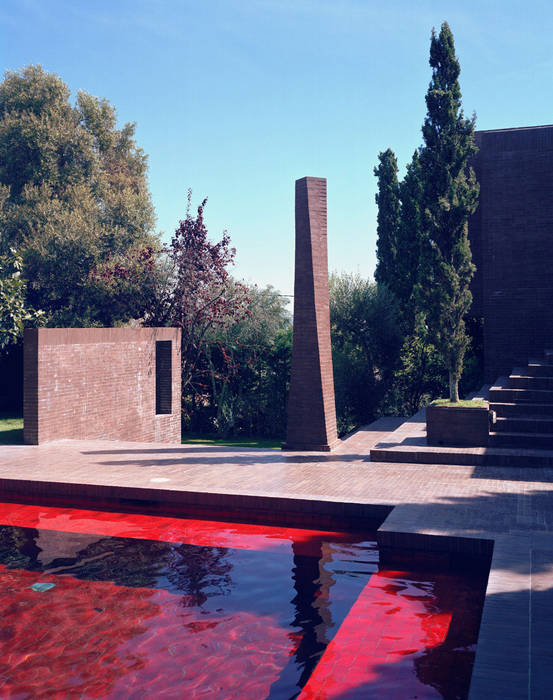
387 199
450 197
409 239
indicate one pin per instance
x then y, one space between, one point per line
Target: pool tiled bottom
97 604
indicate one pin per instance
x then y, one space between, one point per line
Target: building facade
512 243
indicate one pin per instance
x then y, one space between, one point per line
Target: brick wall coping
81 336
514 128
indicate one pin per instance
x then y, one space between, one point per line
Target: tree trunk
453 388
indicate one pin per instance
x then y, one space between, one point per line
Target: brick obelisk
311 408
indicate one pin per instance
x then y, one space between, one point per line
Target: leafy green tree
13 312
420 376
78 207
249 368
387 199
366 341
450 197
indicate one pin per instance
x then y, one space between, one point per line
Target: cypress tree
409 239
450 197
387 199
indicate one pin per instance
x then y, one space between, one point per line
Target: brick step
521 410
502 395
539 424
517 381
527 441
485 457
535 368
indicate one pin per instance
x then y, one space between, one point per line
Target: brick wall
512 240
311 409
97 383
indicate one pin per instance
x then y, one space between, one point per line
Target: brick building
512 244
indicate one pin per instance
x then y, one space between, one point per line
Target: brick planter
457 426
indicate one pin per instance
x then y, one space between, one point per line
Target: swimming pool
100 604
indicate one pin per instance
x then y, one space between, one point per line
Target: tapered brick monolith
311 409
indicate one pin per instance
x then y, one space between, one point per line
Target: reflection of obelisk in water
311 409
312 619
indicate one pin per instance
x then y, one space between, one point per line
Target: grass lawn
464 403
11 429
195 439
11 433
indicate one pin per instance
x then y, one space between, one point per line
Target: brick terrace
436 507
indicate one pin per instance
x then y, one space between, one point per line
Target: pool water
97 604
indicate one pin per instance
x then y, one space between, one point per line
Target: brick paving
453 508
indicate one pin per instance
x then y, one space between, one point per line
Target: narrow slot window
164 382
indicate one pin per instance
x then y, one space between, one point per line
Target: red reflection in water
95 639
209 533
102 640
387 625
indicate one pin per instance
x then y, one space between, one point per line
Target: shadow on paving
514 646
11 437
495 515
531 474
415 441
184 456
176 450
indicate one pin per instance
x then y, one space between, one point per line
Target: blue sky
238 98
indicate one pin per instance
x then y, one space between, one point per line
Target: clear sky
238 98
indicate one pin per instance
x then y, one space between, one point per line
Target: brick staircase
523 403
